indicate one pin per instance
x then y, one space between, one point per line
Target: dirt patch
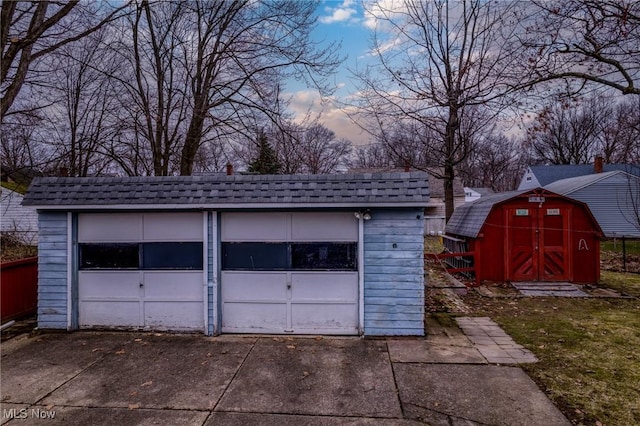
21 326
614 261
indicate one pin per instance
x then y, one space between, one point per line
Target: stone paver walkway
559 289
496 346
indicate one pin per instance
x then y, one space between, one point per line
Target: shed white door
289 273
141 271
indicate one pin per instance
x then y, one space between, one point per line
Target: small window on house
324 256
172 255
109 256
528 179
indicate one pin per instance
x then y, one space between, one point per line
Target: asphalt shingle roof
237 191
549 174
467 220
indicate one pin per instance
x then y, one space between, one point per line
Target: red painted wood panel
18 288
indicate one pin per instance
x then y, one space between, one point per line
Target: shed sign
536 199
553 212
522 212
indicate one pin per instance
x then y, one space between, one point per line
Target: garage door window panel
255 256
324 256
109 256
172 256
147 256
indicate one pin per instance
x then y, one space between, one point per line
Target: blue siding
52 270
394 276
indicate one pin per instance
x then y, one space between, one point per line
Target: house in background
540 176
297 254
613 197
20 221
473 194
434 212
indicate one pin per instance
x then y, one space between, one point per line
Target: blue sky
342 21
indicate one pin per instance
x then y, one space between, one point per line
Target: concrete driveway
111 378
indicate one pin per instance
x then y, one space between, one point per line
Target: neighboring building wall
16 219
52 270
394 276
529 181
435 219
612 203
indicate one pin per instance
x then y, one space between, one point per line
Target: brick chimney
407 166
64 172
597 164
229 169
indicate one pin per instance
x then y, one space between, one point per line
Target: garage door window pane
255 256
172 255
109 256
324 256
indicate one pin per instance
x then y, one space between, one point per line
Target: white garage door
289 273
141 270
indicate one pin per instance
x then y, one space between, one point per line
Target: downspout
361 274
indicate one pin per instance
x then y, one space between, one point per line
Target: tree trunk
449 161
191 144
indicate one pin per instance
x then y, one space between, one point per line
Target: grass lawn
17 187
631 246
589 349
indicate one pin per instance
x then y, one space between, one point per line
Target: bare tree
320 152
496 162
82 118
442 65
583 41
32 30
620 134
204 69
574 131
18 143
566 133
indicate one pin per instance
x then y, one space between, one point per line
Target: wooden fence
18 288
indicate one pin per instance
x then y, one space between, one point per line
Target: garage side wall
394 273
52 270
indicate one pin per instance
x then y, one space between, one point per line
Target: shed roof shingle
238 191
467 220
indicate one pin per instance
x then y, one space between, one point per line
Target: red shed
533 235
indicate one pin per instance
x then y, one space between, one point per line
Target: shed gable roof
238 191
467 220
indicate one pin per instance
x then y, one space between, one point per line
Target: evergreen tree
266 163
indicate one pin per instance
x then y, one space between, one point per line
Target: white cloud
309 103
342 13
376 13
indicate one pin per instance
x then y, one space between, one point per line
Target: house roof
467 220
551 173
436 186
570 185
237 191
612 198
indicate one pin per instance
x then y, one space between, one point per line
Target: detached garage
335 254
533 235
